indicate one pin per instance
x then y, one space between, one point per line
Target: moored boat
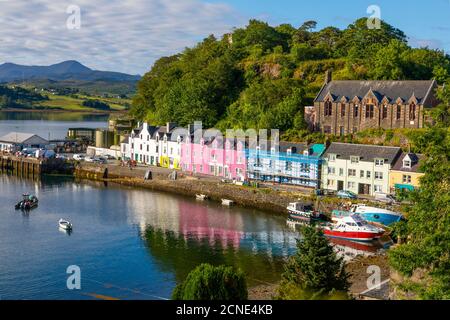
354 228
66 225
300 211
201 196
227 202
378 215
28 202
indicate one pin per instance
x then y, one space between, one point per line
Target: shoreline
51 110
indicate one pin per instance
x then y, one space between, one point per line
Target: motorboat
28 202
66 225
227 202
353 228
378 215
201 196
301 211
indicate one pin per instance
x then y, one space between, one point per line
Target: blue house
288 163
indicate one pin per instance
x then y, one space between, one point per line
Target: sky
129 35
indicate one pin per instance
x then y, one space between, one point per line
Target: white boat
201 196
63 224
227 202
353 228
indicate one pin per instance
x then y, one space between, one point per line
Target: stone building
349 106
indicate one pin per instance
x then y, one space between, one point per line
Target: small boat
63 224
378 215
201 196
353 228
28 202
300 211
227 202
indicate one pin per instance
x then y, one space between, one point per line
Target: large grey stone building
349 106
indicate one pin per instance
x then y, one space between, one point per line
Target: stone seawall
259 198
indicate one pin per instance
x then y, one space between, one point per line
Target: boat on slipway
353 228
371 214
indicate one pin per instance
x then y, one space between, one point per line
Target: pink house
208 156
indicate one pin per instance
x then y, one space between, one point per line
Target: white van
383 197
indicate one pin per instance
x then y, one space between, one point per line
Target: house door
364 188
340 185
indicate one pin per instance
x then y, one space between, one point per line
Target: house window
288 166
378 175
341 130
350 185
140 147
369 111
330 183
331 157
327 129
361 174
354 159
356 111
355 129
342 109
399 112
341 172
148 148
412 112
384 111
157 149
132 146
368 174
328 109
406 178
351 172
331 170
379 162
377 188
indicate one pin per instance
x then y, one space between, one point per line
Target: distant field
69 103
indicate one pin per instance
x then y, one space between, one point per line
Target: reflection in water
53 116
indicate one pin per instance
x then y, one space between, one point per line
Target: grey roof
392 90
366 152
415 162
19 137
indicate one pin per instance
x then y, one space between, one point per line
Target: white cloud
118 35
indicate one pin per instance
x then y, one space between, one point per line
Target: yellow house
404 174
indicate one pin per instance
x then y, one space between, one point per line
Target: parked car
78 157
344 194
100 160
89 159
109 157
386 198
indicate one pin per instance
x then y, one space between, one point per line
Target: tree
424 256
315 272
207 282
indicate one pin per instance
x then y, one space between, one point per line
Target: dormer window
157 138
354 159
332 157
406 163
379 162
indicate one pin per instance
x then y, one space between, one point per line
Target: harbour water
128 243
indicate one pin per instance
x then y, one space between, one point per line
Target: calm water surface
48 125
129 244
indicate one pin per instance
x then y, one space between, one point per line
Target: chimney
328 76
170 126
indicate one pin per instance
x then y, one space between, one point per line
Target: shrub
207 282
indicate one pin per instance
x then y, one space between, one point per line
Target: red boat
353 228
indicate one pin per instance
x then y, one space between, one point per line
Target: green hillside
262 76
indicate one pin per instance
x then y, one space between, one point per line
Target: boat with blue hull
371 214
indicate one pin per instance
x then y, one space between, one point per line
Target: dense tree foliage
424 256
315 272
262 76
207 282
96 104
17 97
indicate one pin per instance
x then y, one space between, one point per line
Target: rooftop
365 152
19 137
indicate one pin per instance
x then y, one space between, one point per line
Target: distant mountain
67 70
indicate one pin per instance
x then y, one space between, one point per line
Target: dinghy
63 224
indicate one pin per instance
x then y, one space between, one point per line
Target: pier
32 167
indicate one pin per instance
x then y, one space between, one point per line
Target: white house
362 169
16 141
156 146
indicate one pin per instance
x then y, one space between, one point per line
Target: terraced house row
362 169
